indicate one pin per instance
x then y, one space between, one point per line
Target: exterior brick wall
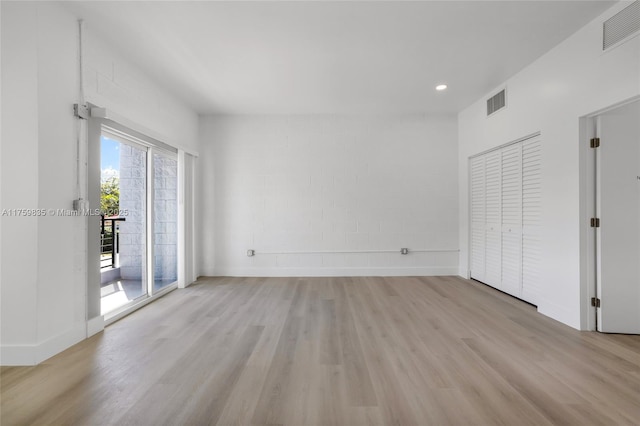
165 218
133 199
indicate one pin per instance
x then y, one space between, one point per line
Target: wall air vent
497 102
621 26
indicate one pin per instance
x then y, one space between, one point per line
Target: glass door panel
123 204
165 217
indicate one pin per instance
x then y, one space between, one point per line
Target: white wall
328 183
114 82
19 160
43 276
572 80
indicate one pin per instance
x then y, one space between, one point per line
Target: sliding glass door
139 221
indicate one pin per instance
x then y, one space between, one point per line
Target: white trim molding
17 355
334 272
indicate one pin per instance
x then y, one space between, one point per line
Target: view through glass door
123 227
138 226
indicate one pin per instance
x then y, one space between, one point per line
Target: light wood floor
324 351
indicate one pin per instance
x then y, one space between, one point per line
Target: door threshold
129 308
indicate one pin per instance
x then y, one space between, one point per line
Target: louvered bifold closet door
531 218
478 220
493 220
512 219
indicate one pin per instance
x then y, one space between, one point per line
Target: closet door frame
497 150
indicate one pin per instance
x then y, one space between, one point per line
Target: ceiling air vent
621 26
496 102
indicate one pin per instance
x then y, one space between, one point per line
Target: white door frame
152 145
589 286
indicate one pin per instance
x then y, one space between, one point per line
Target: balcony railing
110 242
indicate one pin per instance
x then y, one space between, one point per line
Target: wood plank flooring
332 351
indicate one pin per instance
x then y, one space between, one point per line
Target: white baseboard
464 274
333 272
95 325
14 355
59 343
558 313
187 283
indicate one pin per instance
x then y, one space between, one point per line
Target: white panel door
493 216
619 212
478 219
511 219
531 219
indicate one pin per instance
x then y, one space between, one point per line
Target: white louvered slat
531 219
493 253
511 263
493 212
478 218
511 219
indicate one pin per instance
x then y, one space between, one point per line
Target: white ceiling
333 57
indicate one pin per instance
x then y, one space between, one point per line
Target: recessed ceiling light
441 87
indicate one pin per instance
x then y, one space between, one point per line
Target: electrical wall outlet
251 253
404 251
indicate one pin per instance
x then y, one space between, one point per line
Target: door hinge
595 222
595 302
81 111
594 142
